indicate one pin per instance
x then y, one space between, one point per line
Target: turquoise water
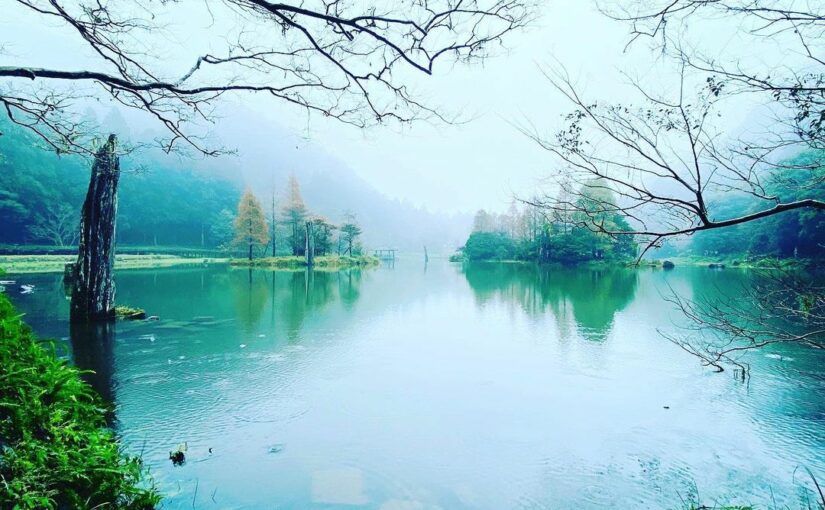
419 387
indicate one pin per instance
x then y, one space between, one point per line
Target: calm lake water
418 387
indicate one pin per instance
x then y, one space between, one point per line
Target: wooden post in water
93 297
426 257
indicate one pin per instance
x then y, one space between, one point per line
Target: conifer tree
294 214
350 231
250 224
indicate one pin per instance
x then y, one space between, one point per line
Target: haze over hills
267 154
264 157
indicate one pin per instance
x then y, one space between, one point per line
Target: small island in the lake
325 262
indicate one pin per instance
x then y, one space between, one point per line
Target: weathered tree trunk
93 297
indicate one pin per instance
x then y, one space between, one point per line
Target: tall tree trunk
308 247
250 252
93 297
274 223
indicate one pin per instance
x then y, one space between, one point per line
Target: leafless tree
350 61
58 225
664 156
775 307
666 162
661 162
794 76
346 60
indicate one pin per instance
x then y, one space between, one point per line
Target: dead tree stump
93 297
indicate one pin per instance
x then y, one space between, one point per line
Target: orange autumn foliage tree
250 225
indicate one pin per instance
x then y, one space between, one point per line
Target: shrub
55 448
489 246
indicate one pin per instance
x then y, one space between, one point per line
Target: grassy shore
56 263
731 262
57 451
329 263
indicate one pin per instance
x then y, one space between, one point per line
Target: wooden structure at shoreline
385 254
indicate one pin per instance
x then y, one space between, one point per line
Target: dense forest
799 233
530 234
200 196
160 203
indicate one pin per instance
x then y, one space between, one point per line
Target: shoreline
684 261
294 263
22 264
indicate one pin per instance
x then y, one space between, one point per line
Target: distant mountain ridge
172 200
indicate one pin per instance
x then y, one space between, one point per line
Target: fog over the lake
482 161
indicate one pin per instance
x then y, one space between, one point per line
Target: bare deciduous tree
347 60
662 160
775 307
785 62
59 225
665 161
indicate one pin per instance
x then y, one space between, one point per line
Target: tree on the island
273 224
349 62
322 235
58 225
350 231
294 214
483 221
250 225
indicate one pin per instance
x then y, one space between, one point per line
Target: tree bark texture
93 297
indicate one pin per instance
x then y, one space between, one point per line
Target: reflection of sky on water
455 388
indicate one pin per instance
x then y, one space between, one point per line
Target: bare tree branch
342 60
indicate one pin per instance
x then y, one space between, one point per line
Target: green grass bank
330 262
56 263
56 450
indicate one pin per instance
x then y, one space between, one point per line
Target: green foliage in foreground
326 262
55 448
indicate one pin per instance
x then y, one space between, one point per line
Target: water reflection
93 352
450 388
589 297
251 295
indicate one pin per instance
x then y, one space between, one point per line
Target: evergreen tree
322 235
250 224
350 231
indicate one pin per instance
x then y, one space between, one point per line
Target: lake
439 386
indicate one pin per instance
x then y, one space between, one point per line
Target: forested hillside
162 201
170 200
798 233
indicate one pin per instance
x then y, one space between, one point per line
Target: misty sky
448 168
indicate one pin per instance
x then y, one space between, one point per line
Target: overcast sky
482 163
449 168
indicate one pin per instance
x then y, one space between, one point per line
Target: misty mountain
170 199
267 154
